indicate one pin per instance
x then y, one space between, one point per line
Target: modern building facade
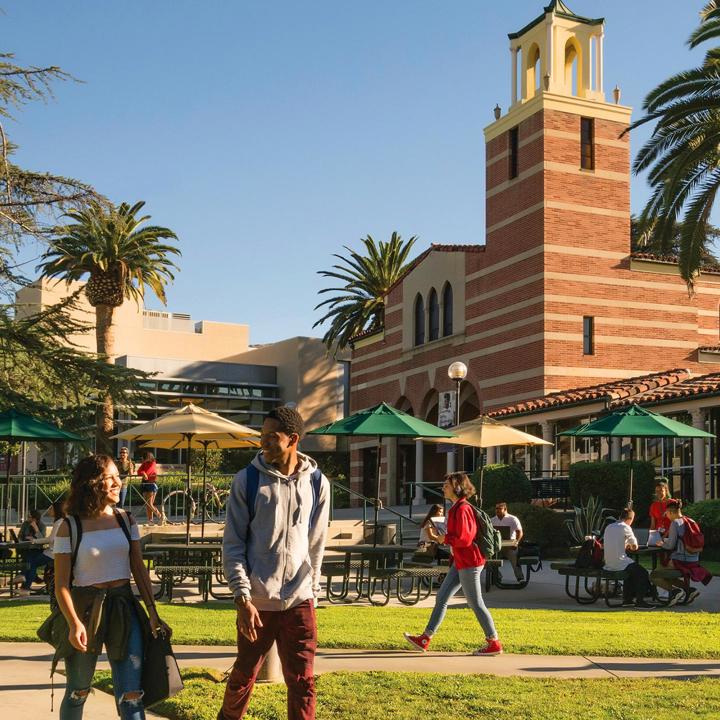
554 299
213 364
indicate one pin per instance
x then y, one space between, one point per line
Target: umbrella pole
377 492
632 449
188 503
204 496
7 489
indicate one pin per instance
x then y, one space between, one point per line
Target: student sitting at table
617 540
683 558
514 533
659 523
32 530
427 548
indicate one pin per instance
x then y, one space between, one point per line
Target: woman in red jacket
466 568
148 485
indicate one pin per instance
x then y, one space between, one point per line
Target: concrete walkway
25 667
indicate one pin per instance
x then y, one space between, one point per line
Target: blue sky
270 134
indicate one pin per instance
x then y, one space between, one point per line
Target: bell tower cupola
558 52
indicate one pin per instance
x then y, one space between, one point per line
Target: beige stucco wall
307 377
215 341
437 269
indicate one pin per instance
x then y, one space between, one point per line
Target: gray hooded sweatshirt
276 558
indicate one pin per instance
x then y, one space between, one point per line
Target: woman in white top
94 592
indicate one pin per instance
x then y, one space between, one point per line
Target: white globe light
457 371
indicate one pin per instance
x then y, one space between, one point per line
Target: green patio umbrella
381 421
634 421
18 427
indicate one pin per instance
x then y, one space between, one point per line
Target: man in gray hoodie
277 516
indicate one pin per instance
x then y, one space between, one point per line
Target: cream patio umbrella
180 428
205 443
484 432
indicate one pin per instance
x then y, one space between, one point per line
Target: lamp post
457 372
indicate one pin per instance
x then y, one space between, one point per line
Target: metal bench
172 575
529 564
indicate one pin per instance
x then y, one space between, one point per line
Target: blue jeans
35 559
123 495
126 677
469 580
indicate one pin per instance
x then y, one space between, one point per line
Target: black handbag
160 675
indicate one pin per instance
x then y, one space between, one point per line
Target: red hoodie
461 530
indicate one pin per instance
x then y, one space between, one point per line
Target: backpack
252 475
590 555
487 538
693 539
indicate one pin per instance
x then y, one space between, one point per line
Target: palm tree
682 154
120 259
366 280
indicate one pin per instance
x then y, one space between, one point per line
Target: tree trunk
105 339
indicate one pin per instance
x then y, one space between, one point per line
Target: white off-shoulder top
103 555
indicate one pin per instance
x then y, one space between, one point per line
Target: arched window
532 71
573 68
419 320
447 303
434 312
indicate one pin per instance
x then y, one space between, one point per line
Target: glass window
588 336
447 310
587 143
434 312
419 320
513 148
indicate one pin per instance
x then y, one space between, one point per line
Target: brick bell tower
557 198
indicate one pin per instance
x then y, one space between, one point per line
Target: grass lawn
406 696
538 632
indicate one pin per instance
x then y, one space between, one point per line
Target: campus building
213 364
554 300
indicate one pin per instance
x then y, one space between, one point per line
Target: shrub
609 481
707 514
541 525
502 483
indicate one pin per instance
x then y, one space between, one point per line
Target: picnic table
530 564
173 562
15 562
378 564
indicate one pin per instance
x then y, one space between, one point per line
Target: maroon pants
295 631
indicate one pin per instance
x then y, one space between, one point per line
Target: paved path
25 684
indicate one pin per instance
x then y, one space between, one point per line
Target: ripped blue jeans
126 676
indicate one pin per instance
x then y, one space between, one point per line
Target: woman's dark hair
87 496
58 509
434 511
147 455
461 485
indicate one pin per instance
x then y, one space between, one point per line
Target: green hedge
543 526
609 481
502 483
707 514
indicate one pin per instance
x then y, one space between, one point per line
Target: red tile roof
691 387
612 392
707 265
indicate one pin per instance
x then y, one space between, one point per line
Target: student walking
277 516
466 569
96 550
148 486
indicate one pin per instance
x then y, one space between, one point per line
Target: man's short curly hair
289 419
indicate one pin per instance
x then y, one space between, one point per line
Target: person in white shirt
503 519
617 540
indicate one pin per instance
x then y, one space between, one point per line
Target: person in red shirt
466 568
148 485
659 523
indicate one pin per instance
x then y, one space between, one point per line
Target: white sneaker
676 594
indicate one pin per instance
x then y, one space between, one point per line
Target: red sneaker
419 642
493 647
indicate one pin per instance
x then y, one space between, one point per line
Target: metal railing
369 503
